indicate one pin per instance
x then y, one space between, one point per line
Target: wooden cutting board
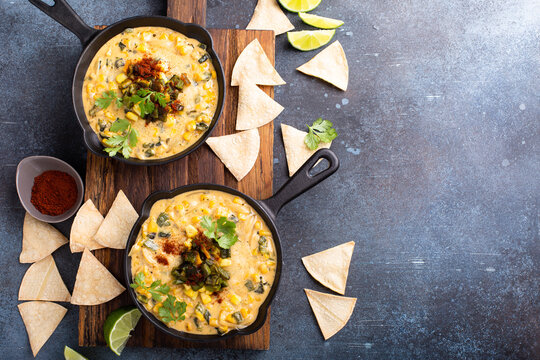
105 177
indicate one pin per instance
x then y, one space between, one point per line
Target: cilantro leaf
119 125
156 289
107 97
172 310
143 98
123 142
222 230
321 130
311 140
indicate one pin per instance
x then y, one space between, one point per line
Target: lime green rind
299 5
70 354
118 326
307 40
320 22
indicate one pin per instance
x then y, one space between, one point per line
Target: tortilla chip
238 152
331 267
94 284
255 107
254 66
42 281
331 311
39 240
329 65
269 16
296 151
40 319
114 230
85 226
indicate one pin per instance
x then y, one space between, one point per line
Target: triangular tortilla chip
40 319
296 151
94 284
329 65
253 64
42 281
85 225
331 311
331 267
39 240
269 16
238 152
255 107
114 230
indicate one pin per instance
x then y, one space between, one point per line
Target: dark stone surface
439 188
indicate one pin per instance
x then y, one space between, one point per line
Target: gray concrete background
439 144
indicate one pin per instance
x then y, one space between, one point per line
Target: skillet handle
302 181
64 14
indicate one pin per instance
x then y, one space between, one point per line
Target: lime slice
70 354
320 22
310 39
299 5
118 326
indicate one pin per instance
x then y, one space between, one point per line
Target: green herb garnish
222 230
172 310
143 98
107 97
123 142
156 289
320 131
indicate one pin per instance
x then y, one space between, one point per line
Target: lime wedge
70 354
320 22
299 5
307 40
118 327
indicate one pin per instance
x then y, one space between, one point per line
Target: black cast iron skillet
92 40
267 209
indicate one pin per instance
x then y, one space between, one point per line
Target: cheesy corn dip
203 262
150 92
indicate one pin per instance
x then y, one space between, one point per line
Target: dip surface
180 92
171 248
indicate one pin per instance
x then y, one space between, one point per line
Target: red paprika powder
54 192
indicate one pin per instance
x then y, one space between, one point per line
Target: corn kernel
235 299
158 305
199 315
250 298
187 136
265 233
214 322
186 204
189 292
187 244
110 116
188 327
225 262
223 328
100 88
203 118
221 212
258 225
172 37
90 88
242 216
205 211
263 268
230 319
237 200
163 36
113 86
212 203
155 132
173 132
170 121
178 207
132 116
184 49
197 76
200 106
120 78
205 298
204 197
255 277
195 220
244 312
152 226
101 78
191 231
141 48
191 126
214 74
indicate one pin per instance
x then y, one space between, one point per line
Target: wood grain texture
105 177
